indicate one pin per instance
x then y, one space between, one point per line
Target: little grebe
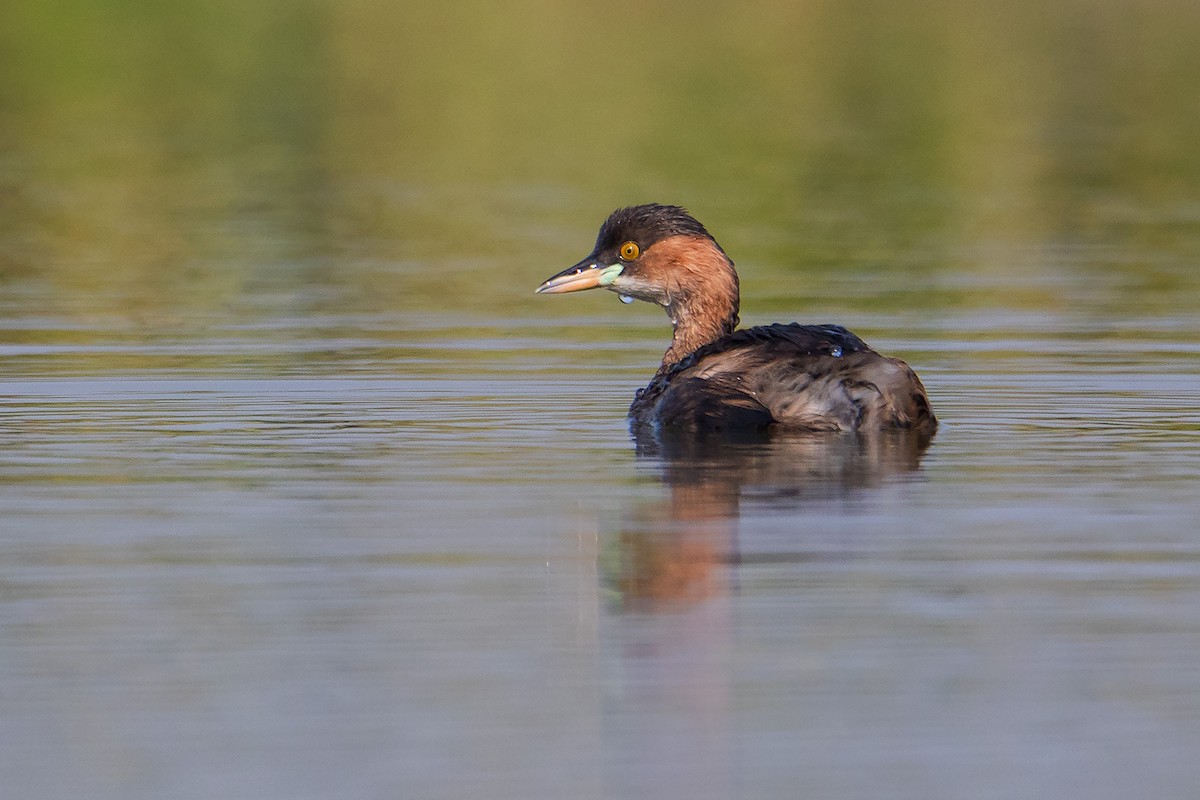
714 377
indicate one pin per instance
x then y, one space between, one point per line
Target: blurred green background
170 167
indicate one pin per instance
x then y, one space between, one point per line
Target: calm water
303 494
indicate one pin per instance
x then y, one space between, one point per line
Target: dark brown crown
647 224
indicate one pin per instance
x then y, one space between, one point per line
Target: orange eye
630 251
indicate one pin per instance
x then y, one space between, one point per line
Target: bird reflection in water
671 568
677 551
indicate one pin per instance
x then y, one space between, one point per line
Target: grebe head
650 252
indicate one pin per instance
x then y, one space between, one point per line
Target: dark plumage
647 225
713 377
816 377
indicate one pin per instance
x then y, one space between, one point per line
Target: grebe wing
816 377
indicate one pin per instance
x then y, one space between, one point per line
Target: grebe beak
587 274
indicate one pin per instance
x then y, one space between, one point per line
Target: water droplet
626 299
836 352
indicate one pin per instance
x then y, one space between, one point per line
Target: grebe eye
630 251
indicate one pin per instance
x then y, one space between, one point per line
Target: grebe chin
715 377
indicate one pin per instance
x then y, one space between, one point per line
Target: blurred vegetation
172 166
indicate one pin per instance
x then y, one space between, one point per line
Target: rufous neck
700 318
